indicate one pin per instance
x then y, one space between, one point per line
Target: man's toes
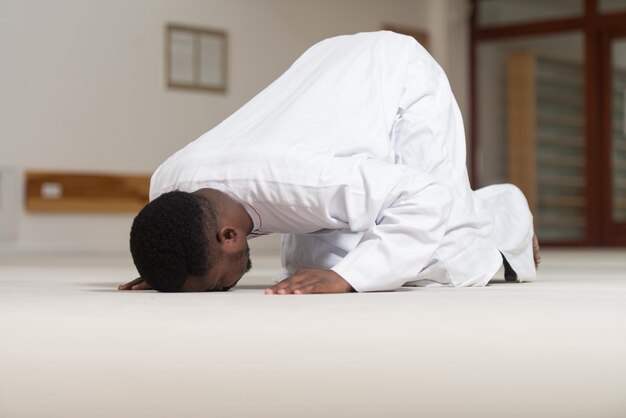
536 251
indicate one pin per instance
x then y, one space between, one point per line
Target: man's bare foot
536 251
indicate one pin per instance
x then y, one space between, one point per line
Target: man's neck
228 209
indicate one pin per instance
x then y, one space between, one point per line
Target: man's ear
227 235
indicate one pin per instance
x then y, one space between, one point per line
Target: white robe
357 154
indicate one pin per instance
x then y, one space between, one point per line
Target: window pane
211 61
612 6
181 57
498 12
531 127
619 131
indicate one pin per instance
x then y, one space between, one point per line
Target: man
357 155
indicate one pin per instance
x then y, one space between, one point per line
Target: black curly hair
174 237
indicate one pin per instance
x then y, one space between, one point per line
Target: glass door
548 112
531 101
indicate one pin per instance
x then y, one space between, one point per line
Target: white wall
82 87
449 27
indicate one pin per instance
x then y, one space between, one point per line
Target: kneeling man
356 154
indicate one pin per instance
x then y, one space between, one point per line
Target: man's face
225 274
240 264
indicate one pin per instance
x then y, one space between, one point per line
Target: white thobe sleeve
403 213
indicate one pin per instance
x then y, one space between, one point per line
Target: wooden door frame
614 233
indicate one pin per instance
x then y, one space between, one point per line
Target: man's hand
137 284
311 281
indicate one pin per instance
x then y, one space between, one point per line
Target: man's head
178 244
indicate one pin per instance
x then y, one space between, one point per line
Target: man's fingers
137 284
285 290
288 285
308 285
273 291
305 290
129 285
142 286
310 281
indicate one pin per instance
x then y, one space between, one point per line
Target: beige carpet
72 346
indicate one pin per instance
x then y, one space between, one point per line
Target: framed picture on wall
196 58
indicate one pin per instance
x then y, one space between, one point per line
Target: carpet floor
71 345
